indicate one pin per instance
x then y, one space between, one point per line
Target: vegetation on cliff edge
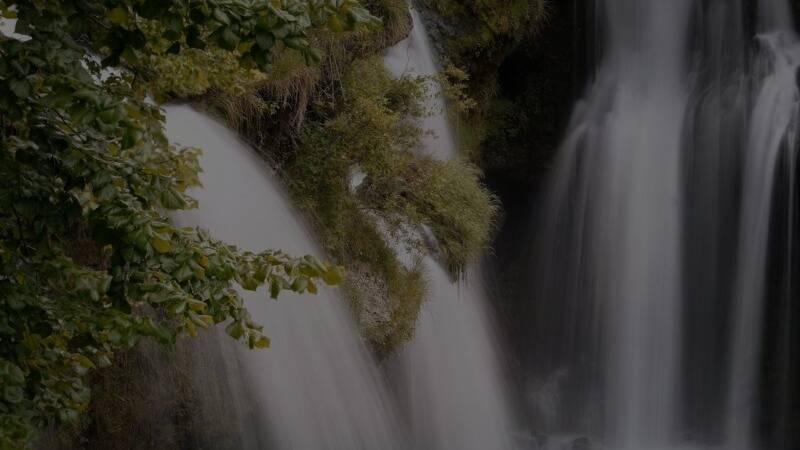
354 118
87 254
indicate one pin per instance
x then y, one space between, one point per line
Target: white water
451 382
774 126
650 169
317 387
619 176
628 133
414 56
450 378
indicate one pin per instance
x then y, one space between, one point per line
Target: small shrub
193 72
376 129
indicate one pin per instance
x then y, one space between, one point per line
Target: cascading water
624 152
415 56
317 387
653 251
773 131
651 279
451 381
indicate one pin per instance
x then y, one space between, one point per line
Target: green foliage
453 82
258 30
396 22
194 72
445 196
87 257
185 68
484 24
476 36
355 116
377 131
374 128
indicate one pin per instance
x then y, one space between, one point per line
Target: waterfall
451 382
652 253
317 387
623 149
415 56
773 129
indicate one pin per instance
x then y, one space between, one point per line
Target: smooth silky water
649 272
450 379
317 387
773 131
654 232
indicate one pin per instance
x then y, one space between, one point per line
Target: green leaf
361 15
118 15
335 24
12 394
333 275
160 244
229 39
265 40
221 17
235 330
83 361
196 305
201 320
296 43
313 56
20 88
249 283
282 31
274 288
178 308
300 284
261 342
284 15
184 273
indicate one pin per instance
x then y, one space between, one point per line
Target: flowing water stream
650 282
451 381
655 240
773 130
317 387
